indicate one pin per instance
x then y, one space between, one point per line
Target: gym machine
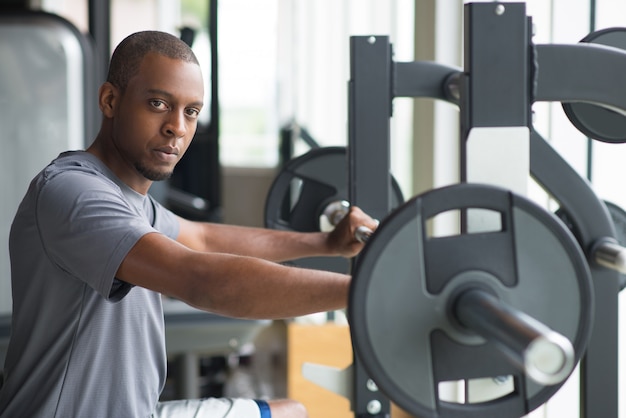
310 193
483 303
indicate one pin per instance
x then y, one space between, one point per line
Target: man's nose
175 124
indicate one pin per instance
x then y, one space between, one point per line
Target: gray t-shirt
83 343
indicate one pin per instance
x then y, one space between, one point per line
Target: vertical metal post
496 92
495 88
214 189
369 110
599 379
370 95
495 108
497 64
99 12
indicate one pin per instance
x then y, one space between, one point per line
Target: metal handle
337 210
363 234
542 354
608 253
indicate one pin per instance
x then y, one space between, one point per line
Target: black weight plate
594 121
302 190
400 321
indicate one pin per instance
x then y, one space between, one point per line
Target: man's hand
347 237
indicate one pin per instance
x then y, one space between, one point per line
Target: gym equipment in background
307 192
597 122
499 57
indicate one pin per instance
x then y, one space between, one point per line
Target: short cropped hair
129 54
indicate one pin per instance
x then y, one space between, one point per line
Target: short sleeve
87 227
164 220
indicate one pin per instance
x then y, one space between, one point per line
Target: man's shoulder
75 162
74 168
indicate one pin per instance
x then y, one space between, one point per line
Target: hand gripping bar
337 210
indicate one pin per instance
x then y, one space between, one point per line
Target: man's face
157 115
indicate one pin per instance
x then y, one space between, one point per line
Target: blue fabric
264 408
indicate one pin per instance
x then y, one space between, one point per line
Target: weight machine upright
375 79
369 185
504 74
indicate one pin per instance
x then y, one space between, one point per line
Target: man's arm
231 270
231 285
275 245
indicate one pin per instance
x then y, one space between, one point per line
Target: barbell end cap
363 234
549 359
620 261
335 211
608 253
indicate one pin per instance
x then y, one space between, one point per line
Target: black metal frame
369 179
499 57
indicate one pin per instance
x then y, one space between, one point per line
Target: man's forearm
268 244
246 287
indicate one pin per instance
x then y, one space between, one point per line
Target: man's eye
193 112
159 104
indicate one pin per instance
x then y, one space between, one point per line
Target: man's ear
108 96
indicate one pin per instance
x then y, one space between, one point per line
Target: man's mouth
167 154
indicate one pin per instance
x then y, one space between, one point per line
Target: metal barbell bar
541 353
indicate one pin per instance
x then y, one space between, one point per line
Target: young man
92 252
